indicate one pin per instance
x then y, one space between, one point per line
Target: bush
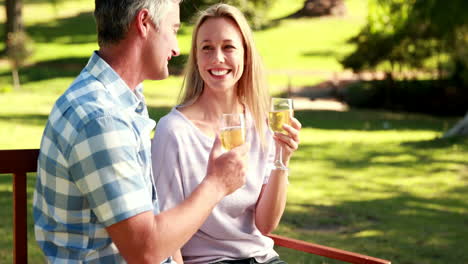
441 97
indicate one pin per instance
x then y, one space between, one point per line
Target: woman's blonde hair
252 89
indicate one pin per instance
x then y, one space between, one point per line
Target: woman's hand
290 142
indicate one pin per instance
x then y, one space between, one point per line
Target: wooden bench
20 162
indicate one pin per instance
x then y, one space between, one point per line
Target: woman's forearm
272 202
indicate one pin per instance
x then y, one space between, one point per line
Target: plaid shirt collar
103 72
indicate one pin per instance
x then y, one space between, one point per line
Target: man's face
162 45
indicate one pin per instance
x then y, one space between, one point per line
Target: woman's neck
206 111
214 104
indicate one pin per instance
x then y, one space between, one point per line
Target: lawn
398 192
375 182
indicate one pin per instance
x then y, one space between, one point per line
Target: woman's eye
206 48
229 47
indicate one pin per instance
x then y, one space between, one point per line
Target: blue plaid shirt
94 167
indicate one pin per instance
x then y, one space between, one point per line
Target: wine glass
281 111
232 130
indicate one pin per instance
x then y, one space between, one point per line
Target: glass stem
279 158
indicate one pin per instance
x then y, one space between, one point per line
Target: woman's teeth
219 73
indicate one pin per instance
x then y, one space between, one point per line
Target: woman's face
220 54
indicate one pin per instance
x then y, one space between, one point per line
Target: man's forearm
146 238
176 226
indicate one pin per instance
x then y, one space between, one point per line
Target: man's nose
176 50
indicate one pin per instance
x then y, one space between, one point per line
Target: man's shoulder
86 89
86 96
84 101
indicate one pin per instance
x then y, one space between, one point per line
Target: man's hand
227 170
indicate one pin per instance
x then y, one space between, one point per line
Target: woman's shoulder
174 119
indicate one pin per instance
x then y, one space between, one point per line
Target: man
95 201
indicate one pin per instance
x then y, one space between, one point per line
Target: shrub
437 97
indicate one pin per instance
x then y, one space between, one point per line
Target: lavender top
180 154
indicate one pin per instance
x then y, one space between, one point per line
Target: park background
373 174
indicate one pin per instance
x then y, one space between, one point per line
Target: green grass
397 193
373 182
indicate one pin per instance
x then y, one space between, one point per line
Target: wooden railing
20 162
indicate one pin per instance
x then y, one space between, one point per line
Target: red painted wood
20 224
18 160
19 163
324 251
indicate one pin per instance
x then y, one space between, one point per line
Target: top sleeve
166 163
104 166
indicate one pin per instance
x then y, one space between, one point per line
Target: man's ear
143 22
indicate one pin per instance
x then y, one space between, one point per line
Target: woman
224 75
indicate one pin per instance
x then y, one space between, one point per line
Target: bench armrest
324 251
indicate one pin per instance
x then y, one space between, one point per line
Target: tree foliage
408 32
254 10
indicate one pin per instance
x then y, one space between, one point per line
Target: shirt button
139 108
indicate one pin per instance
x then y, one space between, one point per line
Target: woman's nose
218 56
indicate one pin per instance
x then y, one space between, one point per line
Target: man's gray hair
113 17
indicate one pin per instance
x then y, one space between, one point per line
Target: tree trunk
14 21
460 129
315 8
16 80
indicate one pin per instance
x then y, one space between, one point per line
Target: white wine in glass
232 130
281 111
276 119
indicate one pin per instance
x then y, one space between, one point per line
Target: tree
14 21
19 48
17 43
315 8
460 129
411 32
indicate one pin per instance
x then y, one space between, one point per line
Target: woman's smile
219 72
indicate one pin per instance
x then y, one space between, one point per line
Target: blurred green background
373 173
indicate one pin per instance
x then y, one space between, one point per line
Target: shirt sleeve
167 174
104 165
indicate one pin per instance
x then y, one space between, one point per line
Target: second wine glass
281 112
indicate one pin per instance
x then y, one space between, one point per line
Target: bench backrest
19 163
